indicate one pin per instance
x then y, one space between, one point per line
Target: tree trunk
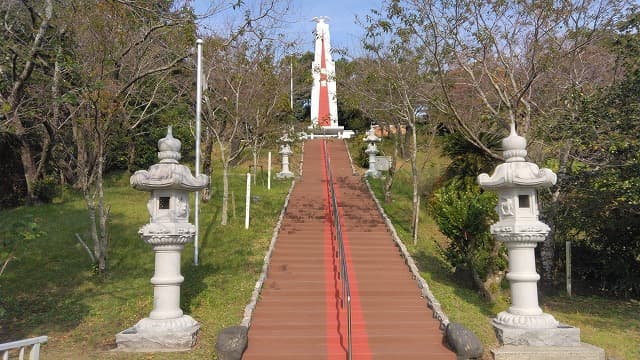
26 158
225 194
406 140
131 152
206 165
388 182
103 213
416 195
93 227
30 170
255 162
82 168
235 149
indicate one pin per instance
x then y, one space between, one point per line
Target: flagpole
198 110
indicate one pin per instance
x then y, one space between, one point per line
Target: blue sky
345 33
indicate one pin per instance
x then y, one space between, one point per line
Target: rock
464 342
232 342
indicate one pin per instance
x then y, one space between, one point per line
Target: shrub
463 213
47 188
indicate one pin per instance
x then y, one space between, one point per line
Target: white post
247 202
198 110
269 172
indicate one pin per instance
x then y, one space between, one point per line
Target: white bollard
247 202
269 172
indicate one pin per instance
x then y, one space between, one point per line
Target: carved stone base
150 335
562 335
539 321
580 352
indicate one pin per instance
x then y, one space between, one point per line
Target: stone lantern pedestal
285 151
167 328
372 150
524 323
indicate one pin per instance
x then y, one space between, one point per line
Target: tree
393 86
123 51
242 95
245 95
26 41
601 214
494 61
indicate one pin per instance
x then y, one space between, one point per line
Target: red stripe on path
360 340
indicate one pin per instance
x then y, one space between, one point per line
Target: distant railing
343 273
21 345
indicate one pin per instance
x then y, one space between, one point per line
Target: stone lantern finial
169 148
514 146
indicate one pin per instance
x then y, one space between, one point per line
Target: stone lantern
285 151
372 150
518 227
169 183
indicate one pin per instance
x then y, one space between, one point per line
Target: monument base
284 175
329 132
150 335
562 335
580 352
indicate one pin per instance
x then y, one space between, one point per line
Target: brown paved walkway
298 315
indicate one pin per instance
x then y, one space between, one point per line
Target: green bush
47 188
463 213
361 158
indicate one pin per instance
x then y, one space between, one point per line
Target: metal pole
198 110
291 79
269 172
247 202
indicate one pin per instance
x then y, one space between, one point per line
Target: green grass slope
50 288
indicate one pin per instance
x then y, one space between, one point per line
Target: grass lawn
51 288
613 325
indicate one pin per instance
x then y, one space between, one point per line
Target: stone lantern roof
371 136
515 171
285 138
168 174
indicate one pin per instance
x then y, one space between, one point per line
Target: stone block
580 352
563 335
284 175
463 342
232 342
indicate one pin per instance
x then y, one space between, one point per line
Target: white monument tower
324 104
